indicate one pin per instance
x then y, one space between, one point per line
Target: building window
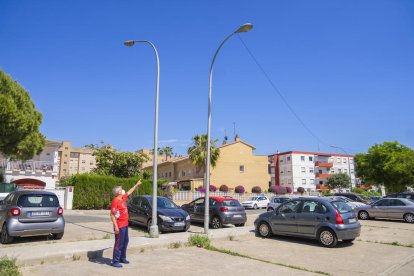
241 168
310 158
169 174
183 173
66 155
66 148
74 154
303 181
91 163
83 168
288 158
281 160
338 160
339 170
65 162
302 158
351 161
352 171
64 170
311 170
48 154
344 160
303 169
312 181
332 170
345 170
83 161
281 171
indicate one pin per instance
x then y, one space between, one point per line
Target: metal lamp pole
242 29
349 165
154 233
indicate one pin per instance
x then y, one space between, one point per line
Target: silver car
393 208
318 218
30 213
275 201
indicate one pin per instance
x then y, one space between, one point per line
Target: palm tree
160 152
197 151
168 152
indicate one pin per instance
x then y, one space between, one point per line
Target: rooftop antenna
234 129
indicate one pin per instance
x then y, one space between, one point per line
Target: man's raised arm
134 187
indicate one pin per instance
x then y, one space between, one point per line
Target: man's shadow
98 258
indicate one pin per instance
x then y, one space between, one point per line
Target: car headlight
187 217
165 218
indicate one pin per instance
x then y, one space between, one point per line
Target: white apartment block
309 170
39 172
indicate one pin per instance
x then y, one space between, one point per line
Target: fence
187 196
26 165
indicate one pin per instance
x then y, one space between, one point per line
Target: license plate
352 220
39 214
179 224
237 216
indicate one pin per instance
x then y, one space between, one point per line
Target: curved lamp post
349 165
154 227
242 29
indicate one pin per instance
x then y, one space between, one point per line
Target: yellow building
74 160
237 165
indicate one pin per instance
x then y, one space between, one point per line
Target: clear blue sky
346 67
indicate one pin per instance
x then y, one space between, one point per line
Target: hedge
94 192
256 190
224 188
239 189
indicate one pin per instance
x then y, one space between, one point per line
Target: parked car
170 216
223 210
256 202
350 202
320 218
393 208
374 198
275 201
355 197
30 213
401 195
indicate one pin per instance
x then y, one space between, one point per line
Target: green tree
197 152
167 151
20 137
338 181
119 164
390 164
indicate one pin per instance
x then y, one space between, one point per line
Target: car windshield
231 203
165 203
254 198
38 201
342 207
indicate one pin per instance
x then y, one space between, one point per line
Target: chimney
236 138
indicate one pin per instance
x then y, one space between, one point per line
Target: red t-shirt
120 211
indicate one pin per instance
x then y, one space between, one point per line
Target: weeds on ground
199 241
142 250
231 237
8 267
75 257
175 245
106 237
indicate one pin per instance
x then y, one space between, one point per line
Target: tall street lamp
154 227
242 29
349 165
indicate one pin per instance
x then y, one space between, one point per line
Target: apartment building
309 170
237 165
74 160
39 172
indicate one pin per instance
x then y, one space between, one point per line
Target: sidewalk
51 252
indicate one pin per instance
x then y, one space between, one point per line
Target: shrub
288 189
9 267
282 190
358 190
224 188
256 190
213 188
95 191
301 190
274 189
239 189
199 241
201 190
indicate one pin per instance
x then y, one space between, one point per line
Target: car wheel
5 238
255 207
264 230
349 241
240 225
216 222
327 237
270 209
58 236
363 215
409 218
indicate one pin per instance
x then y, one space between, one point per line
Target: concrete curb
85 250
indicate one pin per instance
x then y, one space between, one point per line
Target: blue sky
345 67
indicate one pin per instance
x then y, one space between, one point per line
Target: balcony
323 164
322 175
27 166
322 187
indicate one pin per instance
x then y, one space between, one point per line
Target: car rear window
342 207
231 203
38 201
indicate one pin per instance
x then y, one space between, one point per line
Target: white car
256 202
350 202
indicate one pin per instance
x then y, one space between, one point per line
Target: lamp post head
246 27
129 43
